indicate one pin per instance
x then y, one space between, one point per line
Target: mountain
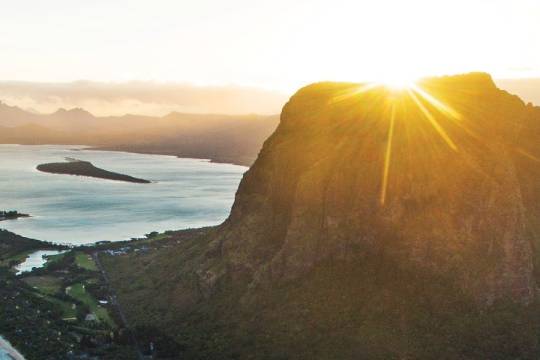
526 88
453 197
221 138
143 97
375 223
13 116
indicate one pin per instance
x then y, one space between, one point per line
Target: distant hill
141 97
221 138
374 224
13 246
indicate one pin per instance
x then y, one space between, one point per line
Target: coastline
20 216
10 350
239 161
172 171
245 161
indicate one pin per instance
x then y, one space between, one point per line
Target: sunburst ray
440 130
439 105
354 92
388 155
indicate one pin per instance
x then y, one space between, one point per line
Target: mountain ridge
298 254
322 258
221 138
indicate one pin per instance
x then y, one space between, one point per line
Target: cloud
145 98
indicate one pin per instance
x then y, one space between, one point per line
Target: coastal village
66 308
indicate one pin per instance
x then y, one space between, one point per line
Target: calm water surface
77 210
36 259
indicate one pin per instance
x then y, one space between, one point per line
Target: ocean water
184 193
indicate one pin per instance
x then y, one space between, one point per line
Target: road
114 302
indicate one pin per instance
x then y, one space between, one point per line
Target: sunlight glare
440 130
398 82
388 155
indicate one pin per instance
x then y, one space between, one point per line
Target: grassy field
78 292
45 284
85 261
18 258
69 310
51 259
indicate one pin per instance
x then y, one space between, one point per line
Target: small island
11 215
86 168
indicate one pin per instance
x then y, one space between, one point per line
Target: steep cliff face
375 224
443 176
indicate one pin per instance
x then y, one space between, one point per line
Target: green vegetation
11 214
52 259
339 313
44 284
15 259
85 261
43 320
373 308
78 291
45 325
14 248
68 309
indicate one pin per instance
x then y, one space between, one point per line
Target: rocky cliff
443 176
376 223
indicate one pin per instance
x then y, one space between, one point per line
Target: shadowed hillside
221 138
375 223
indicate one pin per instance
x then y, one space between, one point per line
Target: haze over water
185 193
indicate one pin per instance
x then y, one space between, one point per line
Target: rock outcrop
443 176
375 224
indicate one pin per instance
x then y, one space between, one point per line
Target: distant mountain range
221 138
140 97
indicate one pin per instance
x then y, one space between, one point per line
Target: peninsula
86 168
11 215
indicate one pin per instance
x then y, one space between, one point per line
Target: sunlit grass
85 261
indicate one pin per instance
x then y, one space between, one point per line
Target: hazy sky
277 44
142 98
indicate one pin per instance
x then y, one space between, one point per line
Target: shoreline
211 159
10 350
245 162
20 216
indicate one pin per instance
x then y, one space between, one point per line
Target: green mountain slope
375 223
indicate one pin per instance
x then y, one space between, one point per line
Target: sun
398 82
405 90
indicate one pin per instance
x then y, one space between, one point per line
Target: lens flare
402 95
